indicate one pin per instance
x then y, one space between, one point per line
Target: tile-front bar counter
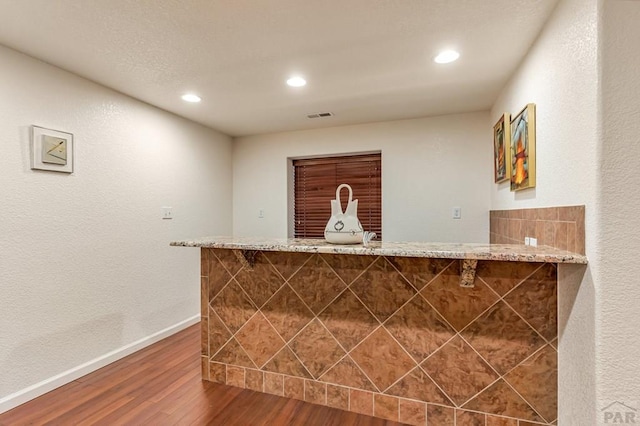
386 330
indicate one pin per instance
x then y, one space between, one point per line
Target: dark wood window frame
314 185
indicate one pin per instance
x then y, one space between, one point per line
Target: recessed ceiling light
190 97
446 56
296 81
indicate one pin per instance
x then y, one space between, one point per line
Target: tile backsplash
559 227
393 337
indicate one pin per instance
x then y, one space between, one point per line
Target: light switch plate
167 213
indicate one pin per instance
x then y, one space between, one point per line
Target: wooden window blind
315 182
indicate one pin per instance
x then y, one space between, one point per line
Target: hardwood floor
161 385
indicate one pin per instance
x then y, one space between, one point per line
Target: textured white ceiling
365 60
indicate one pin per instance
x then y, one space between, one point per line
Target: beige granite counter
497 252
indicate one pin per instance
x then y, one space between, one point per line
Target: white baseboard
47 385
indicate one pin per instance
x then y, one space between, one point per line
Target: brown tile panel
286 263
204 367
204 296
417 385
204 262
458 305
502 337
218 276
316 348
382 289
459 370
536 380
316 283
233 306
501 421
348 320
287 313
294 388
559 227
204 336
361 402
385 407
261 281
348 267
316 334
419 272
338 397
218 373
218 334
315 392
412 412
504 276
469 418
382 359
536 300
347 373
228 259
259 339
254 380
438 415
235 376
502 400
232 353
285 362
419 328
274 384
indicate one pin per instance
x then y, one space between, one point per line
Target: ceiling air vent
320 115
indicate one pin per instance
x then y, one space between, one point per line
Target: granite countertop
504 252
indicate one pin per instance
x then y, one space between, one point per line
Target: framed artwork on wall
501 144
51 150
523 149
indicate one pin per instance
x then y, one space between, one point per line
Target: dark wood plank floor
161 385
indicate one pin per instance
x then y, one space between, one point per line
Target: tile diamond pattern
316 348
503 276
347 373
233 306
232 353
382 359
218 333
259 339
287 263
536 300
417 385
502 400
541 368
348 267
285 362
458 305
348 320
218 276
459 371
313 308
316 283
261 281
419 328
419 271
502 337
287 312
228 259
382 289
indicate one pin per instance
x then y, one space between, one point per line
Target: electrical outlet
261 213
457 213
527 241
533 242
167 213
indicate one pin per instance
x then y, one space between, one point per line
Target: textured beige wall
86 266
560 75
